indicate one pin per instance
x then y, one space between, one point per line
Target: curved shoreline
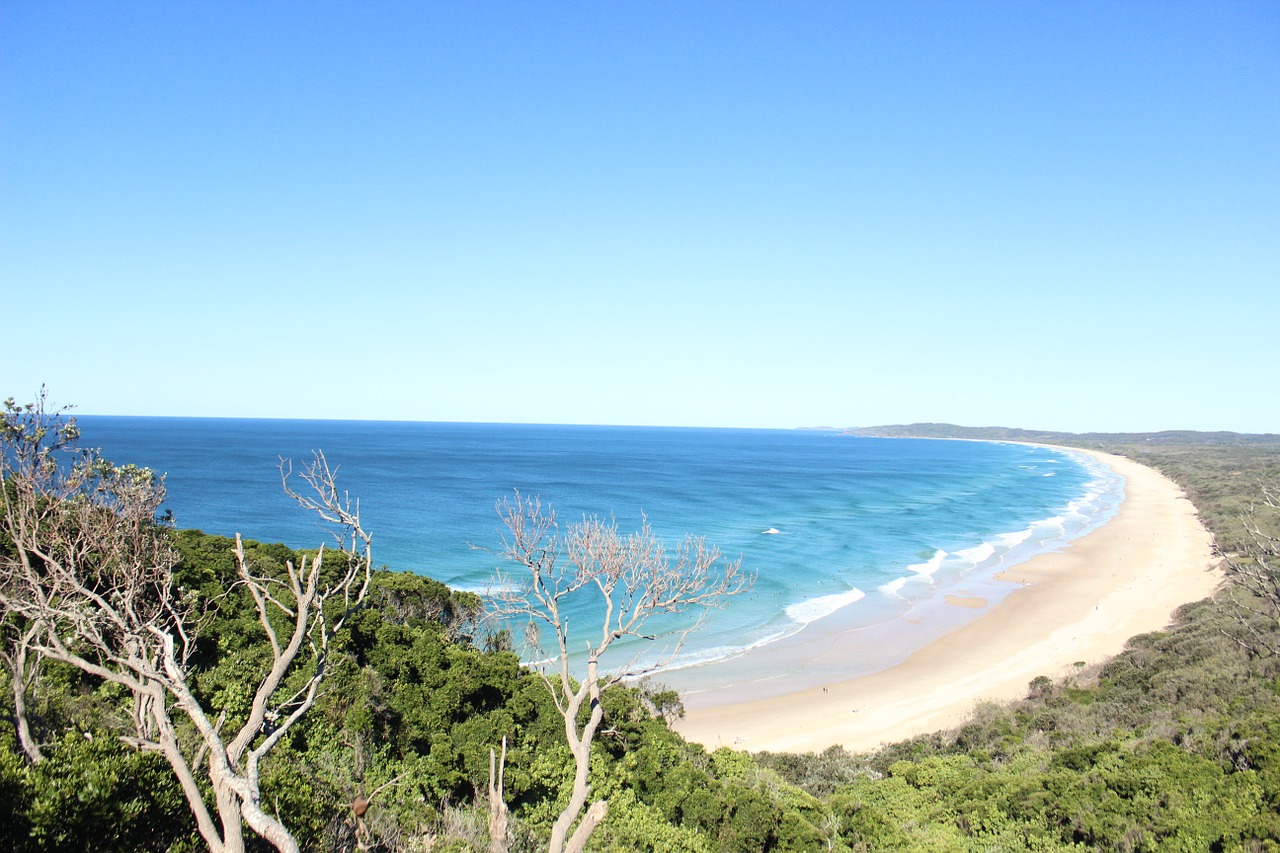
1080 604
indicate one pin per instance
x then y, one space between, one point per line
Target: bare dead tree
33 439
631 579
1252 598
91 576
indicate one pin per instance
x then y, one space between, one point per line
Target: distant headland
997 433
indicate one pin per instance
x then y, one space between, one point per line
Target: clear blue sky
1060 215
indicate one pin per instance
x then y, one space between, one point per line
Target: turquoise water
866 535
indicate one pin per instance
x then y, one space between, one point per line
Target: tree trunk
499 816
578 797
590 821
186 778
580 746
28 743
228 813
268 827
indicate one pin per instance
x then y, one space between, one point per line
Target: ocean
854 542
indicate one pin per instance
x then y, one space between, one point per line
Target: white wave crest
1008 541
713 654
1052 523
977 553
489 588
824 605
928 568
893 587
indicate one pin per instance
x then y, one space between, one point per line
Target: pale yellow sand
971 601
1082 604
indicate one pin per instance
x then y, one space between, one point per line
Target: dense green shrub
92 793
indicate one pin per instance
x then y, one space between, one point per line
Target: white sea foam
928 568
920 572
975 555
1084 507
824 605
893 587
710 654
486 589
1053 523
1009 541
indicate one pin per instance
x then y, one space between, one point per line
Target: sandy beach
1080 604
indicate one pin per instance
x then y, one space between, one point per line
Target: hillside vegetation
1183 438
1173 745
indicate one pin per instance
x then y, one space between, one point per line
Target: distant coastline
1062 439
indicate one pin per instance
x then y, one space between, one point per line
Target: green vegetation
1173 745
1177 438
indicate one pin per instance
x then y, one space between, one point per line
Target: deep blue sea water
870 533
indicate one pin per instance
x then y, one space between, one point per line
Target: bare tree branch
631 579
88 580
23 664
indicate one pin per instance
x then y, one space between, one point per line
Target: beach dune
1080 604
